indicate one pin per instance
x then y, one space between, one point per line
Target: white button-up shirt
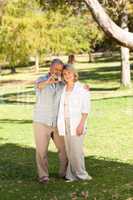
79 103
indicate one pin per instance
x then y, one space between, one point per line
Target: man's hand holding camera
53 78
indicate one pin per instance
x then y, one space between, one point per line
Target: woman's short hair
71 68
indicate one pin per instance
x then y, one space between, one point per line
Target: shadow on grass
2 82
7 95
104 89
114 98
101 74
30 65
103 59
111 179
13 102
15 121
15 97
101 78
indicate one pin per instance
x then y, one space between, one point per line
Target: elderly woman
73 112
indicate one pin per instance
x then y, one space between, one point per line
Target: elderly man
48 92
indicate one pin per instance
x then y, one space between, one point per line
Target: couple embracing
61 110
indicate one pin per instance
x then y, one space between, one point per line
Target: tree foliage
29 29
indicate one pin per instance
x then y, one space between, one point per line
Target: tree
122 37
2 5
118 9
13 41
125 64
38 38
67 33
95 36
21 8
16 31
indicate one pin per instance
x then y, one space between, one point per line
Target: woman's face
68 75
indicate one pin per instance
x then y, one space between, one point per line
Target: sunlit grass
108 143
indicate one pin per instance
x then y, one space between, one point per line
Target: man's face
56 69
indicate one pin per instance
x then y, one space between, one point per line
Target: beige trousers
76 163
42 134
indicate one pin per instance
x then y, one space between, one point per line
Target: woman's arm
85 109
80 127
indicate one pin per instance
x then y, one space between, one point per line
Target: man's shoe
43 180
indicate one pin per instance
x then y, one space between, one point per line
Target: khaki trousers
42 134
76 164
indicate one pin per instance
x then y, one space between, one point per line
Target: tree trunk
37 62
122 37
0 69
71 59
91 57
125 63
13 70
2 5
125 76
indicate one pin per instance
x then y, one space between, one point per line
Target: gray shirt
47 103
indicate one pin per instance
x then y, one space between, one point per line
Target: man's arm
42 83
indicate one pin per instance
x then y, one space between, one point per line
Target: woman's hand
80 129
87 87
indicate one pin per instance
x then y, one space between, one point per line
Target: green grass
108 144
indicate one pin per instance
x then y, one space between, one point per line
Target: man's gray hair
56 61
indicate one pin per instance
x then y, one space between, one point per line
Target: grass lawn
108 144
